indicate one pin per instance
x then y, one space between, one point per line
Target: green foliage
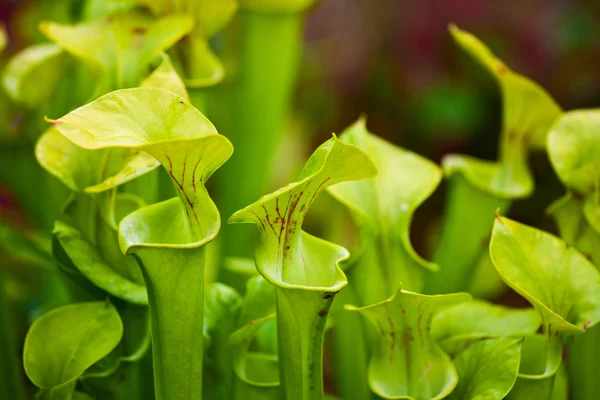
63 343
562 285
135 232
406 352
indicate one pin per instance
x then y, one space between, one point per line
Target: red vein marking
392 332
277 208
184 167
260 221
270 224
319 189
182 190
194 174
170 164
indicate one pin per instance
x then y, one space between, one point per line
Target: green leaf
556 279
113 273
574 150
304 269
88 170
135 343
574 227
252 367
459 326
167 239
165 76
573 146
64 342
407 363
528 113
220 303
221 309
201 66
555 387
253 347
31 76
120 48
487 369
383 208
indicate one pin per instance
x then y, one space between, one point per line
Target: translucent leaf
201 66
574 150
555 387
487 369
555 278
528 113
383 207
167 239
304 269
407 363
31 75
165 76
64 342
253 348
120 48
459 326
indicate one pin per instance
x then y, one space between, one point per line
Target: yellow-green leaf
554 277
407 363
64 342
383 208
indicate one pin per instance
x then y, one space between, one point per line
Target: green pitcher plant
117 283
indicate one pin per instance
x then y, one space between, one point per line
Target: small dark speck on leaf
122 378
140 30
322 313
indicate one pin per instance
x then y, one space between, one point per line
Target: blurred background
395 63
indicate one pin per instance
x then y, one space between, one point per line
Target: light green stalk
304 269
477 187
167 239
256 105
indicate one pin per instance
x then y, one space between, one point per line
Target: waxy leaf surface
167 239
555 278
31 75
383 208
201 66
459 326
304 269
64 342
254 363
528 112
407 362
120 48
287 256
487 369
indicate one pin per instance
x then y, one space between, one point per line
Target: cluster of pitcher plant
141 297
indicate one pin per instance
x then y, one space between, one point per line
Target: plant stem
301 317
175 282
466 228
350 351
257 104
11 381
